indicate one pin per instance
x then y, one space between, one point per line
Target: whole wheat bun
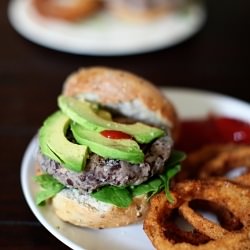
71 11
133 96
85 211
125 93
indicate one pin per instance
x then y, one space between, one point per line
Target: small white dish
102 34
189 104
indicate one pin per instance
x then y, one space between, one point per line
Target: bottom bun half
85 211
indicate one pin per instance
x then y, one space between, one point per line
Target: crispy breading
223 195
217 160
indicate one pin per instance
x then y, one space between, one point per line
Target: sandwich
107 149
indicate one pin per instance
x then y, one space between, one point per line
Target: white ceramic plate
189 104
103 34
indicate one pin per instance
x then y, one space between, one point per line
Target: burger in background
126 10
143 10
67 10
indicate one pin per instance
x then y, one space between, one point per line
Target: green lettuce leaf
150 187
175 158
49 188
171 172
161 182
121 197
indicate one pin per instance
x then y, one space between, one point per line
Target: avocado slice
120 149
82 113
54 144
104 114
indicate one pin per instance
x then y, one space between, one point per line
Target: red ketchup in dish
113 134
213 129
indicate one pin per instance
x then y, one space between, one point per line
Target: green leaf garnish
147 187
50 187
121 197
166 180
156 184
175 158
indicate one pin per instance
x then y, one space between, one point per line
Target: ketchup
196 133
113 134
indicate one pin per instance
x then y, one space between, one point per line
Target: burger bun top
124 92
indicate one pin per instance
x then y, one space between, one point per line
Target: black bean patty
100 171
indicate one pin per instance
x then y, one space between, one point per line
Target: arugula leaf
50 187
121 197
153 186
175 158
171 172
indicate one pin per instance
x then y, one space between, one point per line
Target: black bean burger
107 149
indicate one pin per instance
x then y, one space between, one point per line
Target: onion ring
216 161
72 11
162 230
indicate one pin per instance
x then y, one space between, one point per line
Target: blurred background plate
104 35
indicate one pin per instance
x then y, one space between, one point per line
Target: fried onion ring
223 195
217 160
71 11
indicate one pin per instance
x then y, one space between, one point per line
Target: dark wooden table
216 59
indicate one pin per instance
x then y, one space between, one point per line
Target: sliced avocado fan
82 113
54 144
120 149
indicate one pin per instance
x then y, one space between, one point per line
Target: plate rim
16 23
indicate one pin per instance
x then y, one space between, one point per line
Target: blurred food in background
128 10
142 10
107 27
70 10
